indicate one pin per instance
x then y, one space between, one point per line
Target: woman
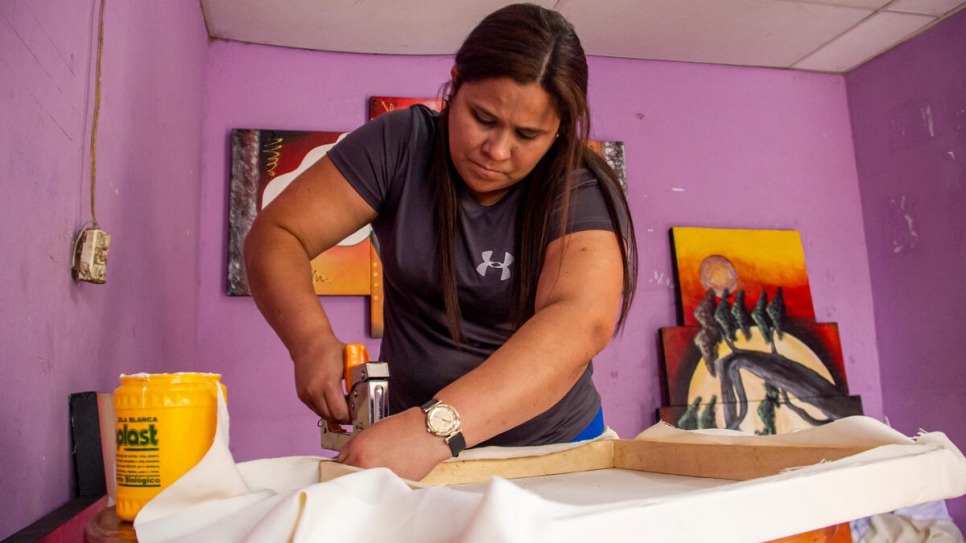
507 249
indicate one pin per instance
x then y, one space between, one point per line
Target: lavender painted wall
908 111
60 336
705 145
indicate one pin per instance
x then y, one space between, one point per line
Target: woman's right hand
319 370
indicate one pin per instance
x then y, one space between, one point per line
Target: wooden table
106 527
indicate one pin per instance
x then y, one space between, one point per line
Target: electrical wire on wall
92 243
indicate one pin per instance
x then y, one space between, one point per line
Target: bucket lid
171 378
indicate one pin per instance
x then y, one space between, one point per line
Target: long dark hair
530 44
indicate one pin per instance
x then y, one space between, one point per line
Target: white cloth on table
281 499
924 523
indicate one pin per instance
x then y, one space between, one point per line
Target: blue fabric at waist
594 429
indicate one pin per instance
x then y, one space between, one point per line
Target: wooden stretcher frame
731 462
719 461
725 461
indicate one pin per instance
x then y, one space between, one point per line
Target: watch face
442 420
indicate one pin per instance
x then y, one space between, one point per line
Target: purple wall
60 336
908 112
705 146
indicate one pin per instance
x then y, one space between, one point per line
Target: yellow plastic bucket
165 425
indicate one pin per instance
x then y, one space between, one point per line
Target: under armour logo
487 263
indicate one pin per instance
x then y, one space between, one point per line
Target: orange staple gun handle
355 355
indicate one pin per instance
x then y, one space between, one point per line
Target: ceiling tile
743 32
404 27
873 36
822 35
925 7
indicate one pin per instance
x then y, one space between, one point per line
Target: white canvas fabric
281 499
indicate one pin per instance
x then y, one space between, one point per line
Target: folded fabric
928 522
896 528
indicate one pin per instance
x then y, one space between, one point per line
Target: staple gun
367 387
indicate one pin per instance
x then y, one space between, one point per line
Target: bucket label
138 456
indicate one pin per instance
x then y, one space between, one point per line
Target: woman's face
498 131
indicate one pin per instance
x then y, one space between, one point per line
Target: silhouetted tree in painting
782 376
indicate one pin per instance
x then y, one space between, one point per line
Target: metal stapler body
367 387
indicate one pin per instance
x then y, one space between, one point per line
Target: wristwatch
442 420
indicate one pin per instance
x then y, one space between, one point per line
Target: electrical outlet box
90 258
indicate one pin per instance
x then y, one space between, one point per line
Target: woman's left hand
400 443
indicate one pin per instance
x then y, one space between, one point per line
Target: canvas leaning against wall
749 355
264 163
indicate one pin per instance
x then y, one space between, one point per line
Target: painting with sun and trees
725 259
749 355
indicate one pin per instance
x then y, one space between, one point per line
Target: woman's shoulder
582 180
424 121
393 133
584 177
423 111
414 117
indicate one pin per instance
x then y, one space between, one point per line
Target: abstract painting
264 163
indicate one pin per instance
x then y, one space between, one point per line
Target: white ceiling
822 35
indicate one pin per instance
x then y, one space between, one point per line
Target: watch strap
456 443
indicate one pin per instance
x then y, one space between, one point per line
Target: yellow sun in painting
718 274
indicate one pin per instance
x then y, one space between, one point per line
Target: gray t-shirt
387 162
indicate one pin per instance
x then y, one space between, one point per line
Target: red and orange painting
749 355
384 104
732 259
264 163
